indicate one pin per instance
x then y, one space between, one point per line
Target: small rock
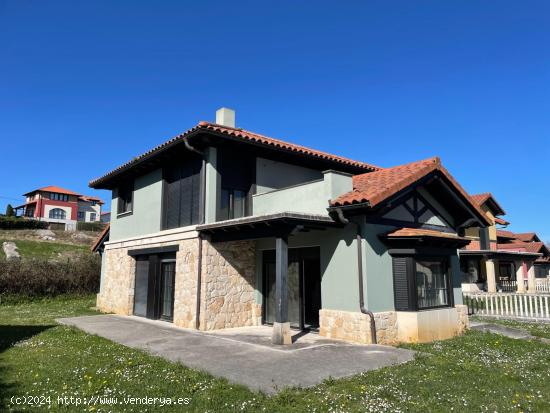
46 234
10 249
81 235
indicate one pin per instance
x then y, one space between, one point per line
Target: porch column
519 276
281 326
531 280
491 277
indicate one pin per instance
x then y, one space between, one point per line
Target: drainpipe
362 307
202 219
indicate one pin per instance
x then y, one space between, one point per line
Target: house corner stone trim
355 326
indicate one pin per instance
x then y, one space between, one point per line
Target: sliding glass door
154 286
304 287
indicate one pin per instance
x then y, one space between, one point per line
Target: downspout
362 307
202 220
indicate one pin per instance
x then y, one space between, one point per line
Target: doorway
154 286
304 287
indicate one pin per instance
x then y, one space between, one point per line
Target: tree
9 211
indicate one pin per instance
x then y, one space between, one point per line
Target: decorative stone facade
393 327
117 285
355 326
228 285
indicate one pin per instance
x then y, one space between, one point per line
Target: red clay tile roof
501 221
480 199
505 234
527 236
52 188
375 187
238 134
101 238
524 246
418 232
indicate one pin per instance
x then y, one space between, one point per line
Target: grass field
535 328
476 372
43 249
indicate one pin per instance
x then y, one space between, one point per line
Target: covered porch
498 271
291 290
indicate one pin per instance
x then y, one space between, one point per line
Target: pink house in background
61 207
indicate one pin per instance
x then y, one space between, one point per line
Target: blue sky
85 86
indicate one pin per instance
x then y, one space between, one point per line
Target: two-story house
489 262
61 207
221 227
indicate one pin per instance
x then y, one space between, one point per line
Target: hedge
42 278
90 226
21 223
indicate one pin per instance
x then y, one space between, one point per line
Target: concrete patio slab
245 356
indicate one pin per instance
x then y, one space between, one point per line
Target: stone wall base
394 327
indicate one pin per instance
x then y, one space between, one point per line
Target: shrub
21 223
39 277
90 226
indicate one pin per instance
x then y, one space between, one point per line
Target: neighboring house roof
527 236
53 188
489 199
235 133
104 236
375 187
523 246
505 234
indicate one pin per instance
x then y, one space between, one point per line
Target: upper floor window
92 216
94 203
59 197
232 204
182 193
125 197
57 213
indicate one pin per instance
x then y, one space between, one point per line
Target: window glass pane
431 284
239 202
224 204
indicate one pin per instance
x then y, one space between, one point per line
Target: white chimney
225 117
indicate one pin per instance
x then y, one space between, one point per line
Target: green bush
21 223
43 278
90 226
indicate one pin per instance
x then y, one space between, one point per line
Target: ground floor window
471 270
421 283
432 284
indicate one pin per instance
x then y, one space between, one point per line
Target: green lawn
476 372
43 249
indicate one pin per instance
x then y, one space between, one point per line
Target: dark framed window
59 197
92 216
232 204
421 283
57 213
81 215
125 198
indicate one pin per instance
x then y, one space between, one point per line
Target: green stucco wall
338 265
377 269
146 215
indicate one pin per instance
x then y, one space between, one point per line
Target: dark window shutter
141 286
182 194
402 288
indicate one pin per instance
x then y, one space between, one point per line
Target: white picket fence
509 305
542 285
